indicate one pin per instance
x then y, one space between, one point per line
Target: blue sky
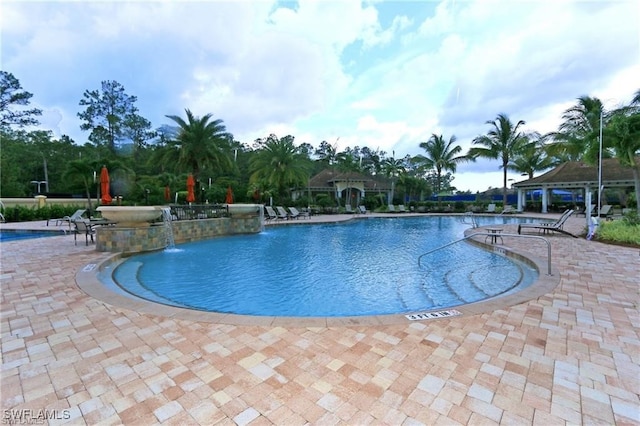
374 73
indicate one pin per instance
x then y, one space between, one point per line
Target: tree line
144 160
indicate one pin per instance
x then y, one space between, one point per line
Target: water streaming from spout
168 228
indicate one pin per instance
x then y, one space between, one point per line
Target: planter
130 216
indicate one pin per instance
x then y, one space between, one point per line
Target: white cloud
325 69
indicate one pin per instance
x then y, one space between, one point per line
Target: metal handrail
489 234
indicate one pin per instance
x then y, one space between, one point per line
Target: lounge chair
271 213
69 219
584 212
491 208
294 213
401 208
550 227
83 227
605 211
391 208
348 209
508 209
281 213
362 209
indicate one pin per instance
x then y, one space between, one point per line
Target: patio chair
69 219
348 209
83 227
491 208
294 213
401 208
605 211
508 209
271 213
550 227
584 212
391 208
281 213
362 209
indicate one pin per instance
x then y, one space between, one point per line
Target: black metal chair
83 227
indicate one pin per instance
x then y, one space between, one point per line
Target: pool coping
88 281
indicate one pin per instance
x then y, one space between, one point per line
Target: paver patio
571 356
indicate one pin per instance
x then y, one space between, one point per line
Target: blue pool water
363 267
13 235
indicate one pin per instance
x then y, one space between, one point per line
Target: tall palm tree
533 157
279 164
623 135
577 137
201 143
393 168
504 141
440 156
82 170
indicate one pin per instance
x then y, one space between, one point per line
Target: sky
381 74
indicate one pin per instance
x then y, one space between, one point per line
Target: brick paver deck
569 357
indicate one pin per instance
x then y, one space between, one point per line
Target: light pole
599 168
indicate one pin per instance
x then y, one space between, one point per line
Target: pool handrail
487 234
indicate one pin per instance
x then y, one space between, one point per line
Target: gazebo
576 175
341 184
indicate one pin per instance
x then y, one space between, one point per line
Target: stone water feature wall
153 237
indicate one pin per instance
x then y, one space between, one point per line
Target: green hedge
27 214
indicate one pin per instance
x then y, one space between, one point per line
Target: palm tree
504 141
393 168
441 156
623 135
200 143
279 164
533 157
577 136
82 170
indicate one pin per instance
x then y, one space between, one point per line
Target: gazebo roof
577 174
328 178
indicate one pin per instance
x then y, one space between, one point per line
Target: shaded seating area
550 227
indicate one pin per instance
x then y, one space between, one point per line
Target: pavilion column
587 204
520 199
545 196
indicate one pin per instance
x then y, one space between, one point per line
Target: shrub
619 231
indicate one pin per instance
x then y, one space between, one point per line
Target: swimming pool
14 235
364 267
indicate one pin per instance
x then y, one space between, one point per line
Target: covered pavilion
576 175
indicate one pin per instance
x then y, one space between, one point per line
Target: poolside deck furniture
494 234
83 227
550 227
77 215
605 211
584 212
271 213
508 209
491 208
348 209
362 209
294 213
402 208
281 213
391 208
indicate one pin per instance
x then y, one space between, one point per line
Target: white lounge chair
271 213
550 227
362 209
282 213
294 213
77 215
401 208
391 208
491 208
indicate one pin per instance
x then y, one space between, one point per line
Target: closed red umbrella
229 198
104 186
167 193
190 184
